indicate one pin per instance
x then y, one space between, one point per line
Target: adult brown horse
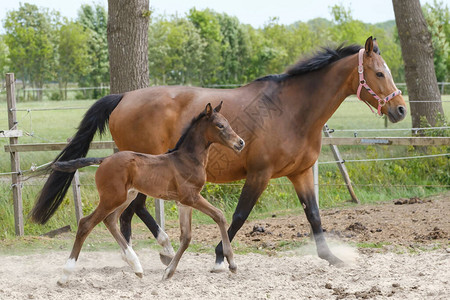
280 117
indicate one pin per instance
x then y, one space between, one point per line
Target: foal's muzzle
239 145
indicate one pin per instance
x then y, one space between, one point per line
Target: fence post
159 212
15 161
76 190
77 196
341 166
316 181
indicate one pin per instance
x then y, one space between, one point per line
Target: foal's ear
218 107
369 45
208 110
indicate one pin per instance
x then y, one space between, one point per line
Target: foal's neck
195 146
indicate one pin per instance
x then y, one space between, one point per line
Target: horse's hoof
138 274
334 261
165 258
233 268
218 268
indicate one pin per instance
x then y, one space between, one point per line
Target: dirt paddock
412 262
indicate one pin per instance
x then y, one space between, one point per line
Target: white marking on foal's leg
68 269
167 252
132 259
219 267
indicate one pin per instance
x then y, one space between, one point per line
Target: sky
253 12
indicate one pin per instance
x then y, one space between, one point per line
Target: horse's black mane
320 60
186 131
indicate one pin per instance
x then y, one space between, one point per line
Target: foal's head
219 130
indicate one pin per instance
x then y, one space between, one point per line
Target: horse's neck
195 146
322 92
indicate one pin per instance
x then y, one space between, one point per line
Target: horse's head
220 131
376 86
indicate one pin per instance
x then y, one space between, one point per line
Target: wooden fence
14 148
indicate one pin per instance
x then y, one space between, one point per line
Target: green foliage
94 22
203 48
438 19
73 63
30 34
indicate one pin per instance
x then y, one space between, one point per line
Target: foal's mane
320 60
186 131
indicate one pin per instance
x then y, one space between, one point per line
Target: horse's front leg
304 187
185 216
255 184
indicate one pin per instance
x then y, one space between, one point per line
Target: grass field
374 181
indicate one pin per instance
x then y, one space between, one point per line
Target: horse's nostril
241 142
401 110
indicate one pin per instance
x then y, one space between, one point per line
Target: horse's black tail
71 166
54 190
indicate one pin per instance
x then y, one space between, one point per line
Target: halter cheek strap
363 83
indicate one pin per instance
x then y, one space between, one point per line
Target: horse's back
150 120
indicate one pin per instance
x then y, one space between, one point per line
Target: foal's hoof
63 281
167 275
138 274
218 268
165 258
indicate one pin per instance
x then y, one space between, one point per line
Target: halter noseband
363 83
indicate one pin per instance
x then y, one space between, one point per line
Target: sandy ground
414 262
103 275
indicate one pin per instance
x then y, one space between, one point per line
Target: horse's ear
218 107
369 46
376 48
208 110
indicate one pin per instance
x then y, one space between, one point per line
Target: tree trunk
128 44
417 52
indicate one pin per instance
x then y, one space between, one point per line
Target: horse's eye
380 74
220 126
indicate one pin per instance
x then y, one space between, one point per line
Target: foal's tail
71 166
57 184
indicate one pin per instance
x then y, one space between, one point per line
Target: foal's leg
128 253
84 228
254 185
138 207
217 215
185 216
304 186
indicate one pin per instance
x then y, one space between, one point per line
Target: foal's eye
380 74
220 126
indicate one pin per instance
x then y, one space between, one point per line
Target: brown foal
177 175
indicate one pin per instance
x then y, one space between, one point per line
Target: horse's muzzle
397 113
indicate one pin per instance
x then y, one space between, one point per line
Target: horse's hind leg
84 228
217 215
167 253
127 251
138 206
185 216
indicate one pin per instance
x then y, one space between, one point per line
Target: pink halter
363 83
